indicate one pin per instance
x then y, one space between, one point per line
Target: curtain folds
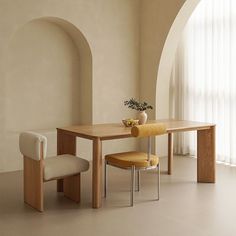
203 83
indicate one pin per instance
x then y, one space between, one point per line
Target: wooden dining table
66 143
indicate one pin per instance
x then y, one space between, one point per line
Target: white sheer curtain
203 85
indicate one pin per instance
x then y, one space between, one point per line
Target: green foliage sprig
136 105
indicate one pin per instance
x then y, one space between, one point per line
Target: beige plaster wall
131 45
157 16
42 78
111 29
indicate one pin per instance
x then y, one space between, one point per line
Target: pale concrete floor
185 207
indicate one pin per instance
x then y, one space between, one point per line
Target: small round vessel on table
130 122
142 117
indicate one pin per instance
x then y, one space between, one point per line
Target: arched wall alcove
49 76
167 58
47 83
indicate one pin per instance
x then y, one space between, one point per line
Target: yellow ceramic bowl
130 122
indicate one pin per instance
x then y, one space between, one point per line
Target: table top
116 130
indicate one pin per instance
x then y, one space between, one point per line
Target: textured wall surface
66 62
48 78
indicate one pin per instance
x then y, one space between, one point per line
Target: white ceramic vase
142 116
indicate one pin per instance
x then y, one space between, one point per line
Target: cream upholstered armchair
137 161
39 169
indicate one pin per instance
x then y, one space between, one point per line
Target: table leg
66 144
170 153
206 155
97 173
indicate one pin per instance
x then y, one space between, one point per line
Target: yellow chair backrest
148 130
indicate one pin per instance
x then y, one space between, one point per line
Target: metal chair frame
137 170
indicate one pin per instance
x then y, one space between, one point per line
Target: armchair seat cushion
129 159
64 165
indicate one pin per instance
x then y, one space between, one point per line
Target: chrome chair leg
105 179
138 180
132 185
158 181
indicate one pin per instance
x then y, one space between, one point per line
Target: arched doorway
49 67
168 54
48 82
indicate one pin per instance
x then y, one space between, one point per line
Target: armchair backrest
33 145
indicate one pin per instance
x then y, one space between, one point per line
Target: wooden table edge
94 137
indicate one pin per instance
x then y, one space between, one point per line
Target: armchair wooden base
33 183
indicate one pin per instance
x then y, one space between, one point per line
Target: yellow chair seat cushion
128 159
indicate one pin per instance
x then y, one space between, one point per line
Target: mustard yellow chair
39 169
137 161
